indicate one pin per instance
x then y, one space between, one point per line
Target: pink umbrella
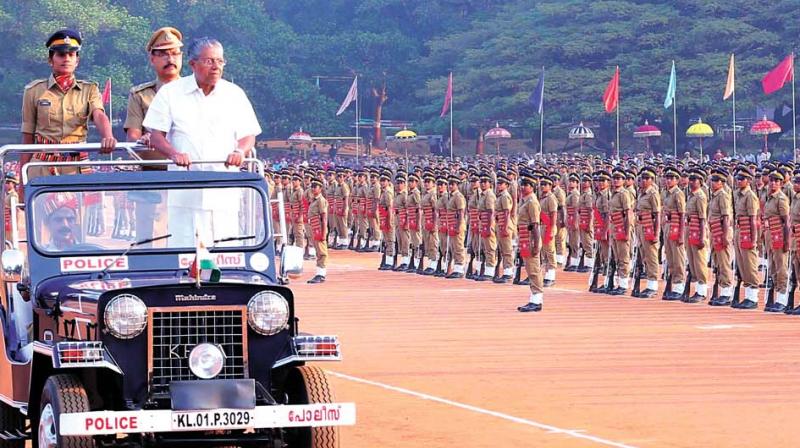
301 137
497 133
765 127
646 131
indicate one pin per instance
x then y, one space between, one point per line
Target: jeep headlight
267 313
125 316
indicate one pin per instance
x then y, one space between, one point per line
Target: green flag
671 89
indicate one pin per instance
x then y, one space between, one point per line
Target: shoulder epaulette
83 81
35 82
143 86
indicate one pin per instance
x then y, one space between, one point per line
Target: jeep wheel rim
47 428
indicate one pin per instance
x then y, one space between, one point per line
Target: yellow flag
730 86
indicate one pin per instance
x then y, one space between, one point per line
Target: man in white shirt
202 117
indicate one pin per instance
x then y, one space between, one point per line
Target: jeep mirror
291 260
13 261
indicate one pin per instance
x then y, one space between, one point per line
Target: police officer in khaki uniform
457 226
342 195
561 218
548 220
413 210
620 208
648 228
674 249
473 219
794 245
359 195
720 223
442 199
745 212
488 243
600 221
318 220
296 207
530 243
58 109
430 237
504 222
697 235
386 220
585 220
776 218
573 220
401 224
373 197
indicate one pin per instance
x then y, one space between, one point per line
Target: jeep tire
304 385
11 423
61 394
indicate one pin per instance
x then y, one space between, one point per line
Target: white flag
351 96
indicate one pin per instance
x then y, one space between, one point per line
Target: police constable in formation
488 243
457 226
674 249
697 236
776 217
530 241
794 245
549 221
720 223
504 207
620 208
57 109
318 220
648 218
746 212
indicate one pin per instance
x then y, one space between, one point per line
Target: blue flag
671 89
537 96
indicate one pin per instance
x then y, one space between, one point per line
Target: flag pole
733 62
675 118
618 102
794 118
451 116
541 120
357 119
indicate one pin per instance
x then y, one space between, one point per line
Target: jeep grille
175 331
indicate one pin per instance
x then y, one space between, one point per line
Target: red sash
486 223
332 206
356 205
501 216
443 225
584 218
694 230
745 232
383 218
717 236
618 220
371 207
648 226
796 232
599 226
675 225
428 216
571 218
275 215
776 231
452 224
296 215
524 241
547 222
474 218
338 205
304 207
316 227
402 218
413 218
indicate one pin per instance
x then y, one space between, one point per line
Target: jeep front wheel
62 394
304 385
11 424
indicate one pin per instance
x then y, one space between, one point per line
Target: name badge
44 102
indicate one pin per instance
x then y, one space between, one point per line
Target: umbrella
646 131
580 132
700 130
300 137
497 133
406 135
765 128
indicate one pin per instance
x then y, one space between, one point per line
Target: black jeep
144 308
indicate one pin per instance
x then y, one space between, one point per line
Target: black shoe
696 298
482 278
570 269
455 275
601 290
548 283
428 271
385 267
745 305
584 269
317 279
470 275
721 301
794 312
530 307
526 282
401 268
775 308
500 280
439 273
416 270
647 294
671 296
618 291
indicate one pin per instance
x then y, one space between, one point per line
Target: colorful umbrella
646 131
301 137
580 132
497 133
700 130
765 128
406 135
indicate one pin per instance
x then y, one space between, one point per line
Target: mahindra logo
195 297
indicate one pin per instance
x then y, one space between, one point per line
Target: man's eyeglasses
208 62
166 54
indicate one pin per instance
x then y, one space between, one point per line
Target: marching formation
717 232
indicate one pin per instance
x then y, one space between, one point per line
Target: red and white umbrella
300 137
646 131
497 133
765 127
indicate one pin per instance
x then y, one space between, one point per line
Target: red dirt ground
599 370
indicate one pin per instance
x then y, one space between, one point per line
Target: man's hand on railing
181 159
107 145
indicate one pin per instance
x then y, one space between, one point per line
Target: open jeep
144 308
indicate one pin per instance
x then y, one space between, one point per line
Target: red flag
775 79
448 97
611 95
107 92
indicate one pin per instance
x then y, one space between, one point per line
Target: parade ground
451 363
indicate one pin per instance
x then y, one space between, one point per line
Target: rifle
411 266
611 268
482 256
595 270
737 289
688 285
383 252
448 256
715 288
637 271
792 284
519 263
668 283
421 262
438 271
396 254
471 252
499 262
582 262
769 296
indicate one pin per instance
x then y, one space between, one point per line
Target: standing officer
585 205
746 212
600 221
474 239
360 193
648 213
457 226
675 251
400 203
443 198
373 197
720 219
530 243
413 209
317 217
776 217
308 198
429 236
560 223
620 208
504 222
296 206
548 219
331 187
58 109
573 219
342 195
486 208
795 243
697 236
386 215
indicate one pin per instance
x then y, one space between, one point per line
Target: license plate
201 420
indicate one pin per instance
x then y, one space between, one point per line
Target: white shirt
206 127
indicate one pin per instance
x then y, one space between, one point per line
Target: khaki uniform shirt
139 99
745 203
529 211
720 205
457 202
649 201
777 205
49 113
